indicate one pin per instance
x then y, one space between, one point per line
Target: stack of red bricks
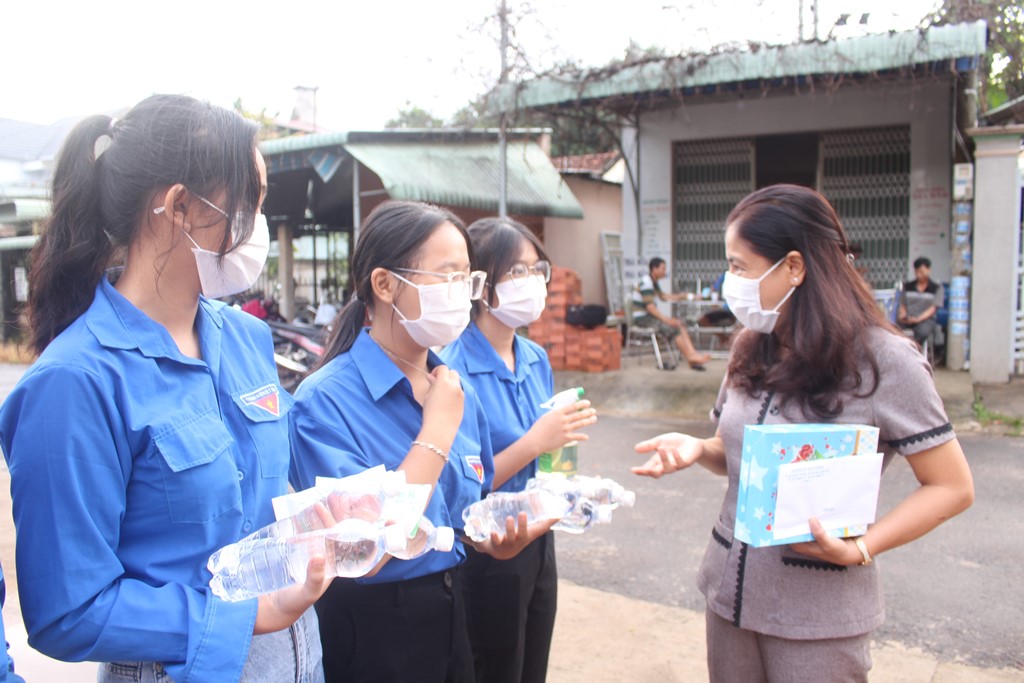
570 347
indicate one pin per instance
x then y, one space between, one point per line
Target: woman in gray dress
815 348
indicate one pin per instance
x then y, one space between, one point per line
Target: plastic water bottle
598 490
427 537
560 462
583 515
351 548
488 515
364 503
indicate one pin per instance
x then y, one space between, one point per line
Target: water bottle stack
351 524
578 502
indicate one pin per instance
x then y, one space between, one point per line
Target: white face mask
442 318
519 304
744 298
238 269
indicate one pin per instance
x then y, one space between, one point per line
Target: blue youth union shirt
357 412
130 464
511 401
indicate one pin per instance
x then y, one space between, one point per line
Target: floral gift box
817 479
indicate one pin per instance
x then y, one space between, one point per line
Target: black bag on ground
588 316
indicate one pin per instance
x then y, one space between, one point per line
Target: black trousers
510 608
413 630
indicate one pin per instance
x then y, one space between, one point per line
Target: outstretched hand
670 452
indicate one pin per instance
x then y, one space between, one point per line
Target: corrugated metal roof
466 174
864 54
18 210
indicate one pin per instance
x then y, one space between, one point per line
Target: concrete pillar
285 271
996 250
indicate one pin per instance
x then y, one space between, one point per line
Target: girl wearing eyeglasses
511 603
381 396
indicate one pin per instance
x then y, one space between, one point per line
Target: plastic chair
639 337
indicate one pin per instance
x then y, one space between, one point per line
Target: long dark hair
824 326
496 246
106 176
392 238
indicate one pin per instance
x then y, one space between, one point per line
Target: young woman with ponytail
381 396
511 603
152 430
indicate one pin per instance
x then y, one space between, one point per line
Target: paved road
954 593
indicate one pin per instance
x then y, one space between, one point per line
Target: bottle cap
444 541
394 538
627 499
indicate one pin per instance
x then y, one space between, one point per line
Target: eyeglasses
520 272
459 281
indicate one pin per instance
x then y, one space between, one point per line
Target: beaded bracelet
431 447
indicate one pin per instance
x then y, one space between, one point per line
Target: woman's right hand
281 609
670 452
444 402
557 427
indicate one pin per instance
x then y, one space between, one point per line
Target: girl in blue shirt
381 396
511 602
152 430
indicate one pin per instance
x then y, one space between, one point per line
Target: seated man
920 301
646 314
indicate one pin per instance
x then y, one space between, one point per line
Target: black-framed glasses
520 272
459 281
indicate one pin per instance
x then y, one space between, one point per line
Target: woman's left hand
518 535
841 551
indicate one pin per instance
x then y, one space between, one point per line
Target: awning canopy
311 175
467 174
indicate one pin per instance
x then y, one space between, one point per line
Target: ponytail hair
106 176
392 238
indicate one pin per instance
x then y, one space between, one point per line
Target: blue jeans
293 654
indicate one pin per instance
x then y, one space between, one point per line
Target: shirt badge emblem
266 398
478 466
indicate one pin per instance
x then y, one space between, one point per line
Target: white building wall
925 106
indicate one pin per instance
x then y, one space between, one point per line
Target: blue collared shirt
130 464
358 411
511 400
7 674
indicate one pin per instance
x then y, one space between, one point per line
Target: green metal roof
466 174
865 54
453 167
20 210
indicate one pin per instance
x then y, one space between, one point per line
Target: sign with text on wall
655 230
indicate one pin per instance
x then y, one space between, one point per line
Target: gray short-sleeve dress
774 590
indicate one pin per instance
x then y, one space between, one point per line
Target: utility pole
502 140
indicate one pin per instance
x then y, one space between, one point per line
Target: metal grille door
865 174
712 176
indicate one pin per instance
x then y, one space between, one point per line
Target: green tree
412 116
268 127
1001 76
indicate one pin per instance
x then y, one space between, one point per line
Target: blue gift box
765 448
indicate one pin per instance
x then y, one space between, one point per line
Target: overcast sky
366 57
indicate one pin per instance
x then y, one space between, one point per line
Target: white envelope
839 492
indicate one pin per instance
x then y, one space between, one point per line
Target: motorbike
297 348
